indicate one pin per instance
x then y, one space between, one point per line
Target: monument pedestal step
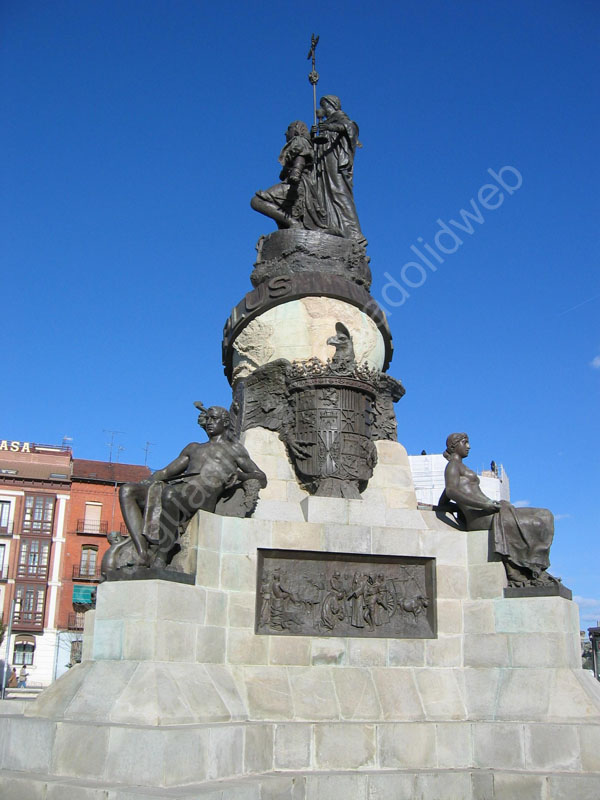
443 784
178 697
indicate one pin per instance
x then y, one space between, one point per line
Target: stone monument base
178 697
425 784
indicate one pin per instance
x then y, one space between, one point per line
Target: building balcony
93 527
28 620
83 572
75 621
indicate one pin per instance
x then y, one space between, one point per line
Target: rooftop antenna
66 441
313 75
120 449
111 444
146 451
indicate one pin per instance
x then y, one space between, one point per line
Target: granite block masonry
179 695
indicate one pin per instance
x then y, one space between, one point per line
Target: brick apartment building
35 484
55 512
93 512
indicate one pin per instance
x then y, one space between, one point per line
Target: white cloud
595 362
561 516
589 611
522 503
586 602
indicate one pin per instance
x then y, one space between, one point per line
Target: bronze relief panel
310 593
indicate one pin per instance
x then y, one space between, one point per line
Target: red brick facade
55 512
93 512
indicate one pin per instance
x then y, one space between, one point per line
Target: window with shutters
92 521
38 514
5 526
89 556
33 558
29 606
24 650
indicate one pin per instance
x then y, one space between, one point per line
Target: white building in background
428 477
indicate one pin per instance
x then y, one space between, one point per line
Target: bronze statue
315 192
343 358
336 142
285 202
323 594
522 536
328 414
201 477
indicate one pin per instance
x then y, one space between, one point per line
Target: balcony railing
83 572
28 620
6 530
64 448
39 571
92 526
75 622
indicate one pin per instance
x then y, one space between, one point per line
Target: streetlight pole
594 634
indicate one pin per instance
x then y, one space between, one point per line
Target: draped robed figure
315 191
522 536
331 205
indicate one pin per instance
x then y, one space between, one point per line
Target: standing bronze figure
335 211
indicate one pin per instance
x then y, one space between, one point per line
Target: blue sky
135 133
